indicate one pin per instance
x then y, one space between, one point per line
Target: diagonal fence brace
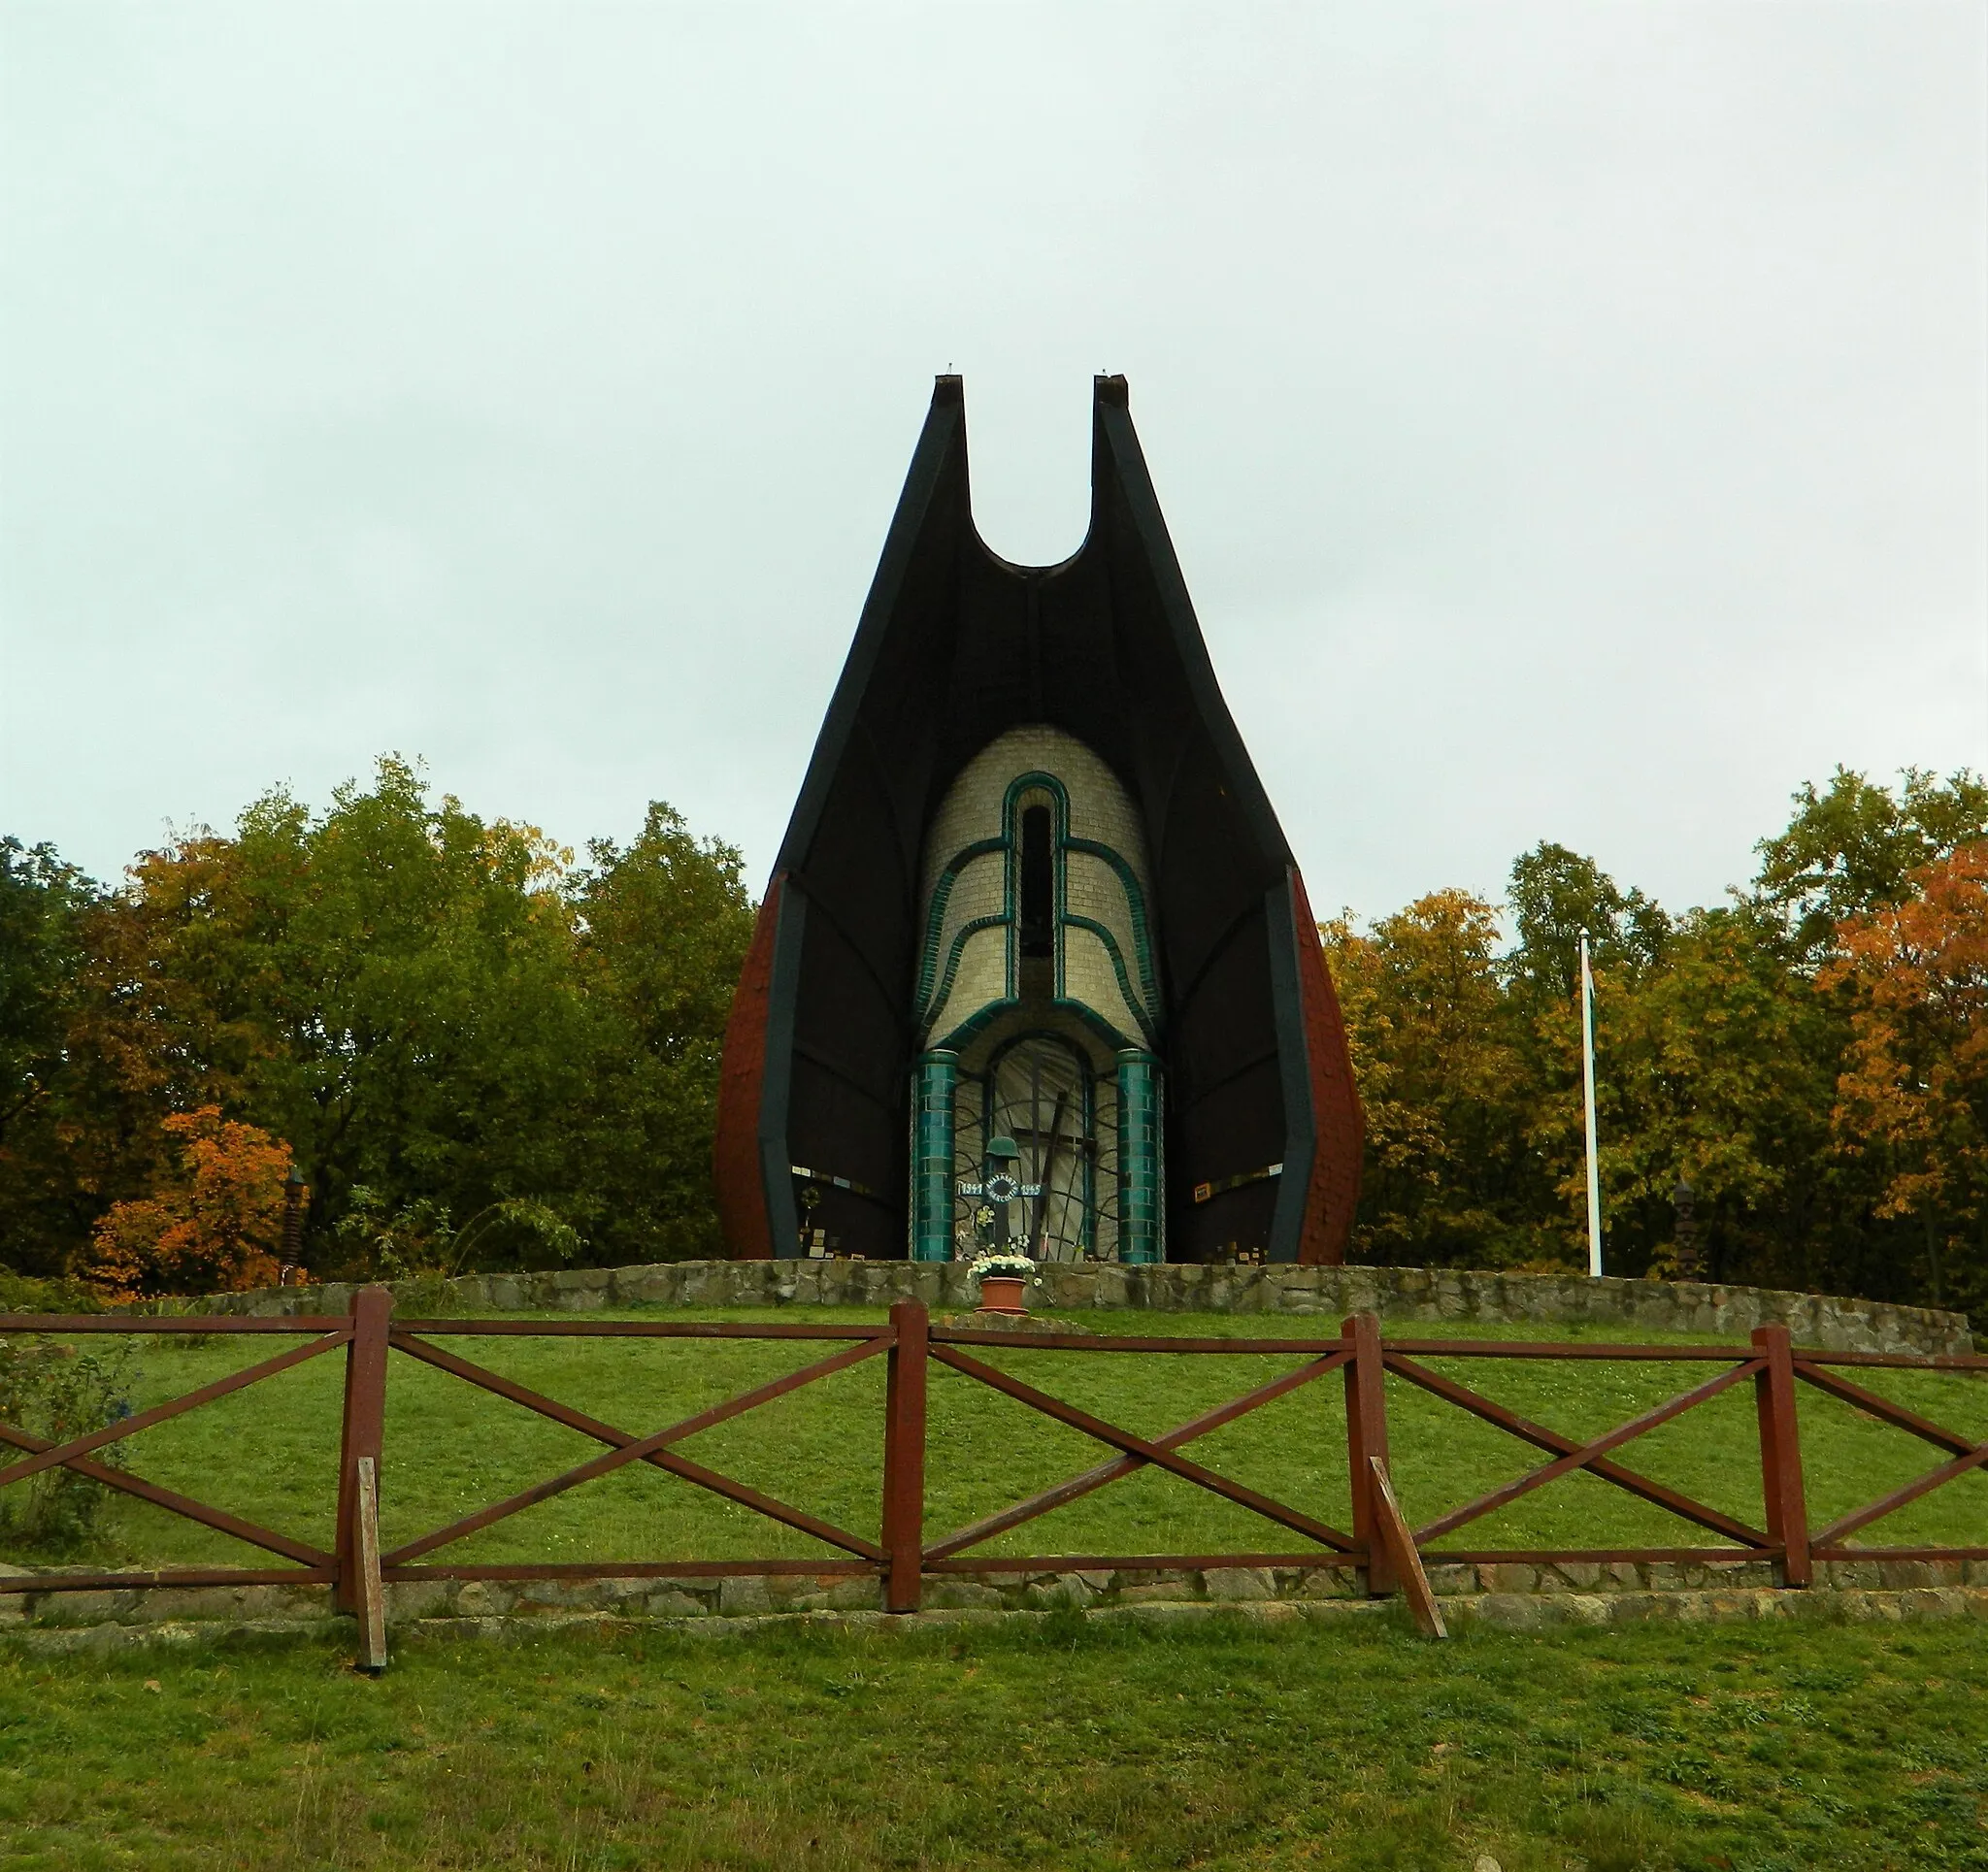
626 1447
1151 1452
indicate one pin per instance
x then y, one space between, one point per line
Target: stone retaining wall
1524 1598
756 1595
1423 1296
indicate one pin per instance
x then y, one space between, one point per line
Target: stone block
1625 1607
1235 1583
1897 1575
649 1287
1511 1610
1065 1589
85 1608
1168 1612
1506 1576
581 1280
418 1599
560 1595
959 1595
1584 1576
1845 1575
1932 1602
484 1598
1452 1578
849 1594
743 1596
1155 1593
674 1605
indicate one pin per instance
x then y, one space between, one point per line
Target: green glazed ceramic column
931 1156
1139 1215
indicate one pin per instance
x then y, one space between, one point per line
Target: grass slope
270 1452
1761 1748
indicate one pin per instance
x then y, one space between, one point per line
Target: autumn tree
439 1010
1913 1100
1852 848
1446 1088
213 1224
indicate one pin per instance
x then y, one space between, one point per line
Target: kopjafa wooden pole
1366 1439
365 1425
369 1593
904 1459
1781 1453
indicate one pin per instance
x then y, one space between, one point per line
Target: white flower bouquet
1002 1268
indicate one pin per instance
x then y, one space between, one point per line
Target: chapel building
1035 969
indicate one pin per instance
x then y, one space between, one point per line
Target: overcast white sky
1572 418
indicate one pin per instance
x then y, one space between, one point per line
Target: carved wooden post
1366 1439
904 1459
365 1425
1781 1453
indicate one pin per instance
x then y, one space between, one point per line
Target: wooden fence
1379 1540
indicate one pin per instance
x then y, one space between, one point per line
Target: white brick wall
1100 809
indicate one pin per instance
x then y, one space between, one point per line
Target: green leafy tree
1852 849
432 1009
1713 1068
1554 895
664 927
58 1130
1447 1088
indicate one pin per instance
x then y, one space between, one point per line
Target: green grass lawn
270 1452
1647 1749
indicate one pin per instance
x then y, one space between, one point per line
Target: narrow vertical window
1037 884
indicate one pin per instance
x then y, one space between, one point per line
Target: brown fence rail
1379 1540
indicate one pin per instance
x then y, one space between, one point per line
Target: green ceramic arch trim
1134 896
967 932
1110 942
931 996
935 918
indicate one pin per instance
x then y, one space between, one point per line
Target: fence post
1366 1439
904 1459
365 1424
1780 1452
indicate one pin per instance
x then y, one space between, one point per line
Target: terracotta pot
1002 1293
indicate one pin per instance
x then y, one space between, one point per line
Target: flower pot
1002 1293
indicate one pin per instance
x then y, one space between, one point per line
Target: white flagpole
1587 1084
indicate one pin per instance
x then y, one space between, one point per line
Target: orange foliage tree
213 1224
1914 1092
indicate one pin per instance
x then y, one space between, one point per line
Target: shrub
54 1391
